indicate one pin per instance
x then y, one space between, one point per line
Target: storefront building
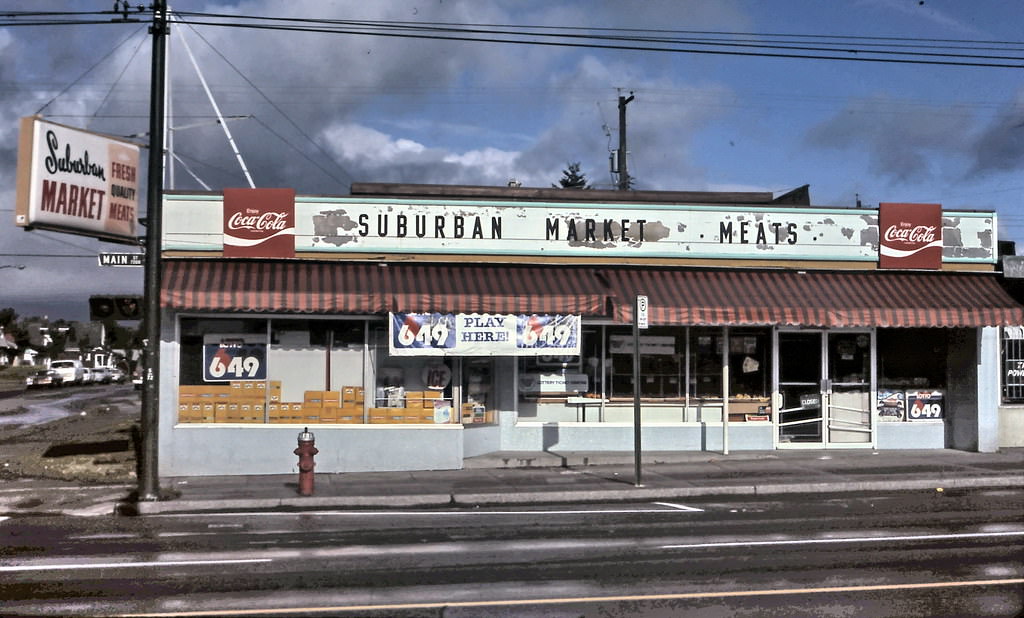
413 326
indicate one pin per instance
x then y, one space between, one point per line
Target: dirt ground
95 443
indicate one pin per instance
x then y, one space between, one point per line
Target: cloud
900 143
1000 146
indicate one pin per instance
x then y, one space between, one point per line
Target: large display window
681 368
277 370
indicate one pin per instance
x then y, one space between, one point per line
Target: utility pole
623 172
149 479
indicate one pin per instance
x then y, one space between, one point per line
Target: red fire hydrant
305 452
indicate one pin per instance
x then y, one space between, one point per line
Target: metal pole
725 390
149 481
636 391
623 172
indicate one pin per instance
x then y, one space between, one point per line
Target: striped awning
371 288
815 298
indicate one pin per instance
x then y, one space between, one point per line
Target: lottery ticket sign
461 334
234 357
924 405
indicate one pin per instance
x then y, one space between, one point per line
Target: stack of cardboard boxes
344 406
419 408
235 402
260 402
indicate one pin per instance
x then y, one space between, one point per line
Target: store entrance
823 385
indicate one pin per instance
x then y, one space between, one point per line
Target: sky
318 111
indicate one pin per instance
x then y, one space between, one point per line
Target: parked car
86 375
101 375
71 371
137 377
117 375
44 378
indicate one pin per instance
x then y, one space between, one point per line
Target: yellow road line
604 599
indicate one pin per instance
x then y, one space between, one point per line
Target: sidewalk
513 478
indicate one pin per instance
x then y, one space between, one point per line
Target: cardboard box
431 394
329 414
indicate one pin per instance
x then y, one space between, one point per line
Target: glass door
799 385
823 388
849 388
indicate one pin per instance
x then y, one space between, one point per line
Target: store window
1013 364
912 358
281 370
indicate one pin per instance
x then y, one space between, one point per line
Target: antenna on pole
624 180
216 109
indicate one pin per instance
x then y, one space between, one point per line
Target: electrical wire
87 71
280 111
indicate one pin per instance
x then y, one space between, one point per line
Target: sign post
639 322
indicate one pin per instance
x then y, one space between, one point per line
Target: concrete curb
630 494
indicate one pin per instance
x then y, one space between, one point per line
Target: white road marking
103 537
681 507
2 518
669 508
866 539
123 565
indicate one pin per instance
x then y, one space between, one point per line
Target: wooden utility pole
149 479
623 172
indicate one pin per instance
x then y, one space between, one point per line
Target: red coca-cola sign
910 236
259 223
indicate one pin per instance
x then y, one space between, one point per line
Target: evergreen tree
572 178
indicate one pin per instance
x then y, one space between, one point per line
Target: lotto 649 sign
233 357
422 331
924 405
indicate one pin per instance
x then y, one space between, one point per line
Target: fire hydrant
305 452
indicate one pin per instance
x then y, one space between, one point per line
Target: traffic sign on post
641 312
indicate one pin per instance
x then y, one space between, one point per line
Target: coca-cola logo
260 222
910 235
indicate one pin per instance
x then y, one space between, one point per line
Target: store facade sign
76 181
259 223
553 383
353 227
910 236
472 334
234 357
654 345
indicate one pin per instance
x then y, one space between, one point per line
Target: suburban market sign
359 227
473 334
76 181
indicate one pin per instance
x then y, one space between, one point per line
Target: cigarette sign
75 181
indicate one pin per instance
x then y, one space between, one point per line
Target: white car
87 375
71 371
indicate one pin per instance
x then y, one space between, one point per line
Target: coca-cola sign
259 223
910 236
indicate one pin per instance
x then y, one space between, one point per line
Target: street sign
641 312
121 259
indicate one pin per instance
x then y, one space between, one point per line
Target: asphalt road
908 554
